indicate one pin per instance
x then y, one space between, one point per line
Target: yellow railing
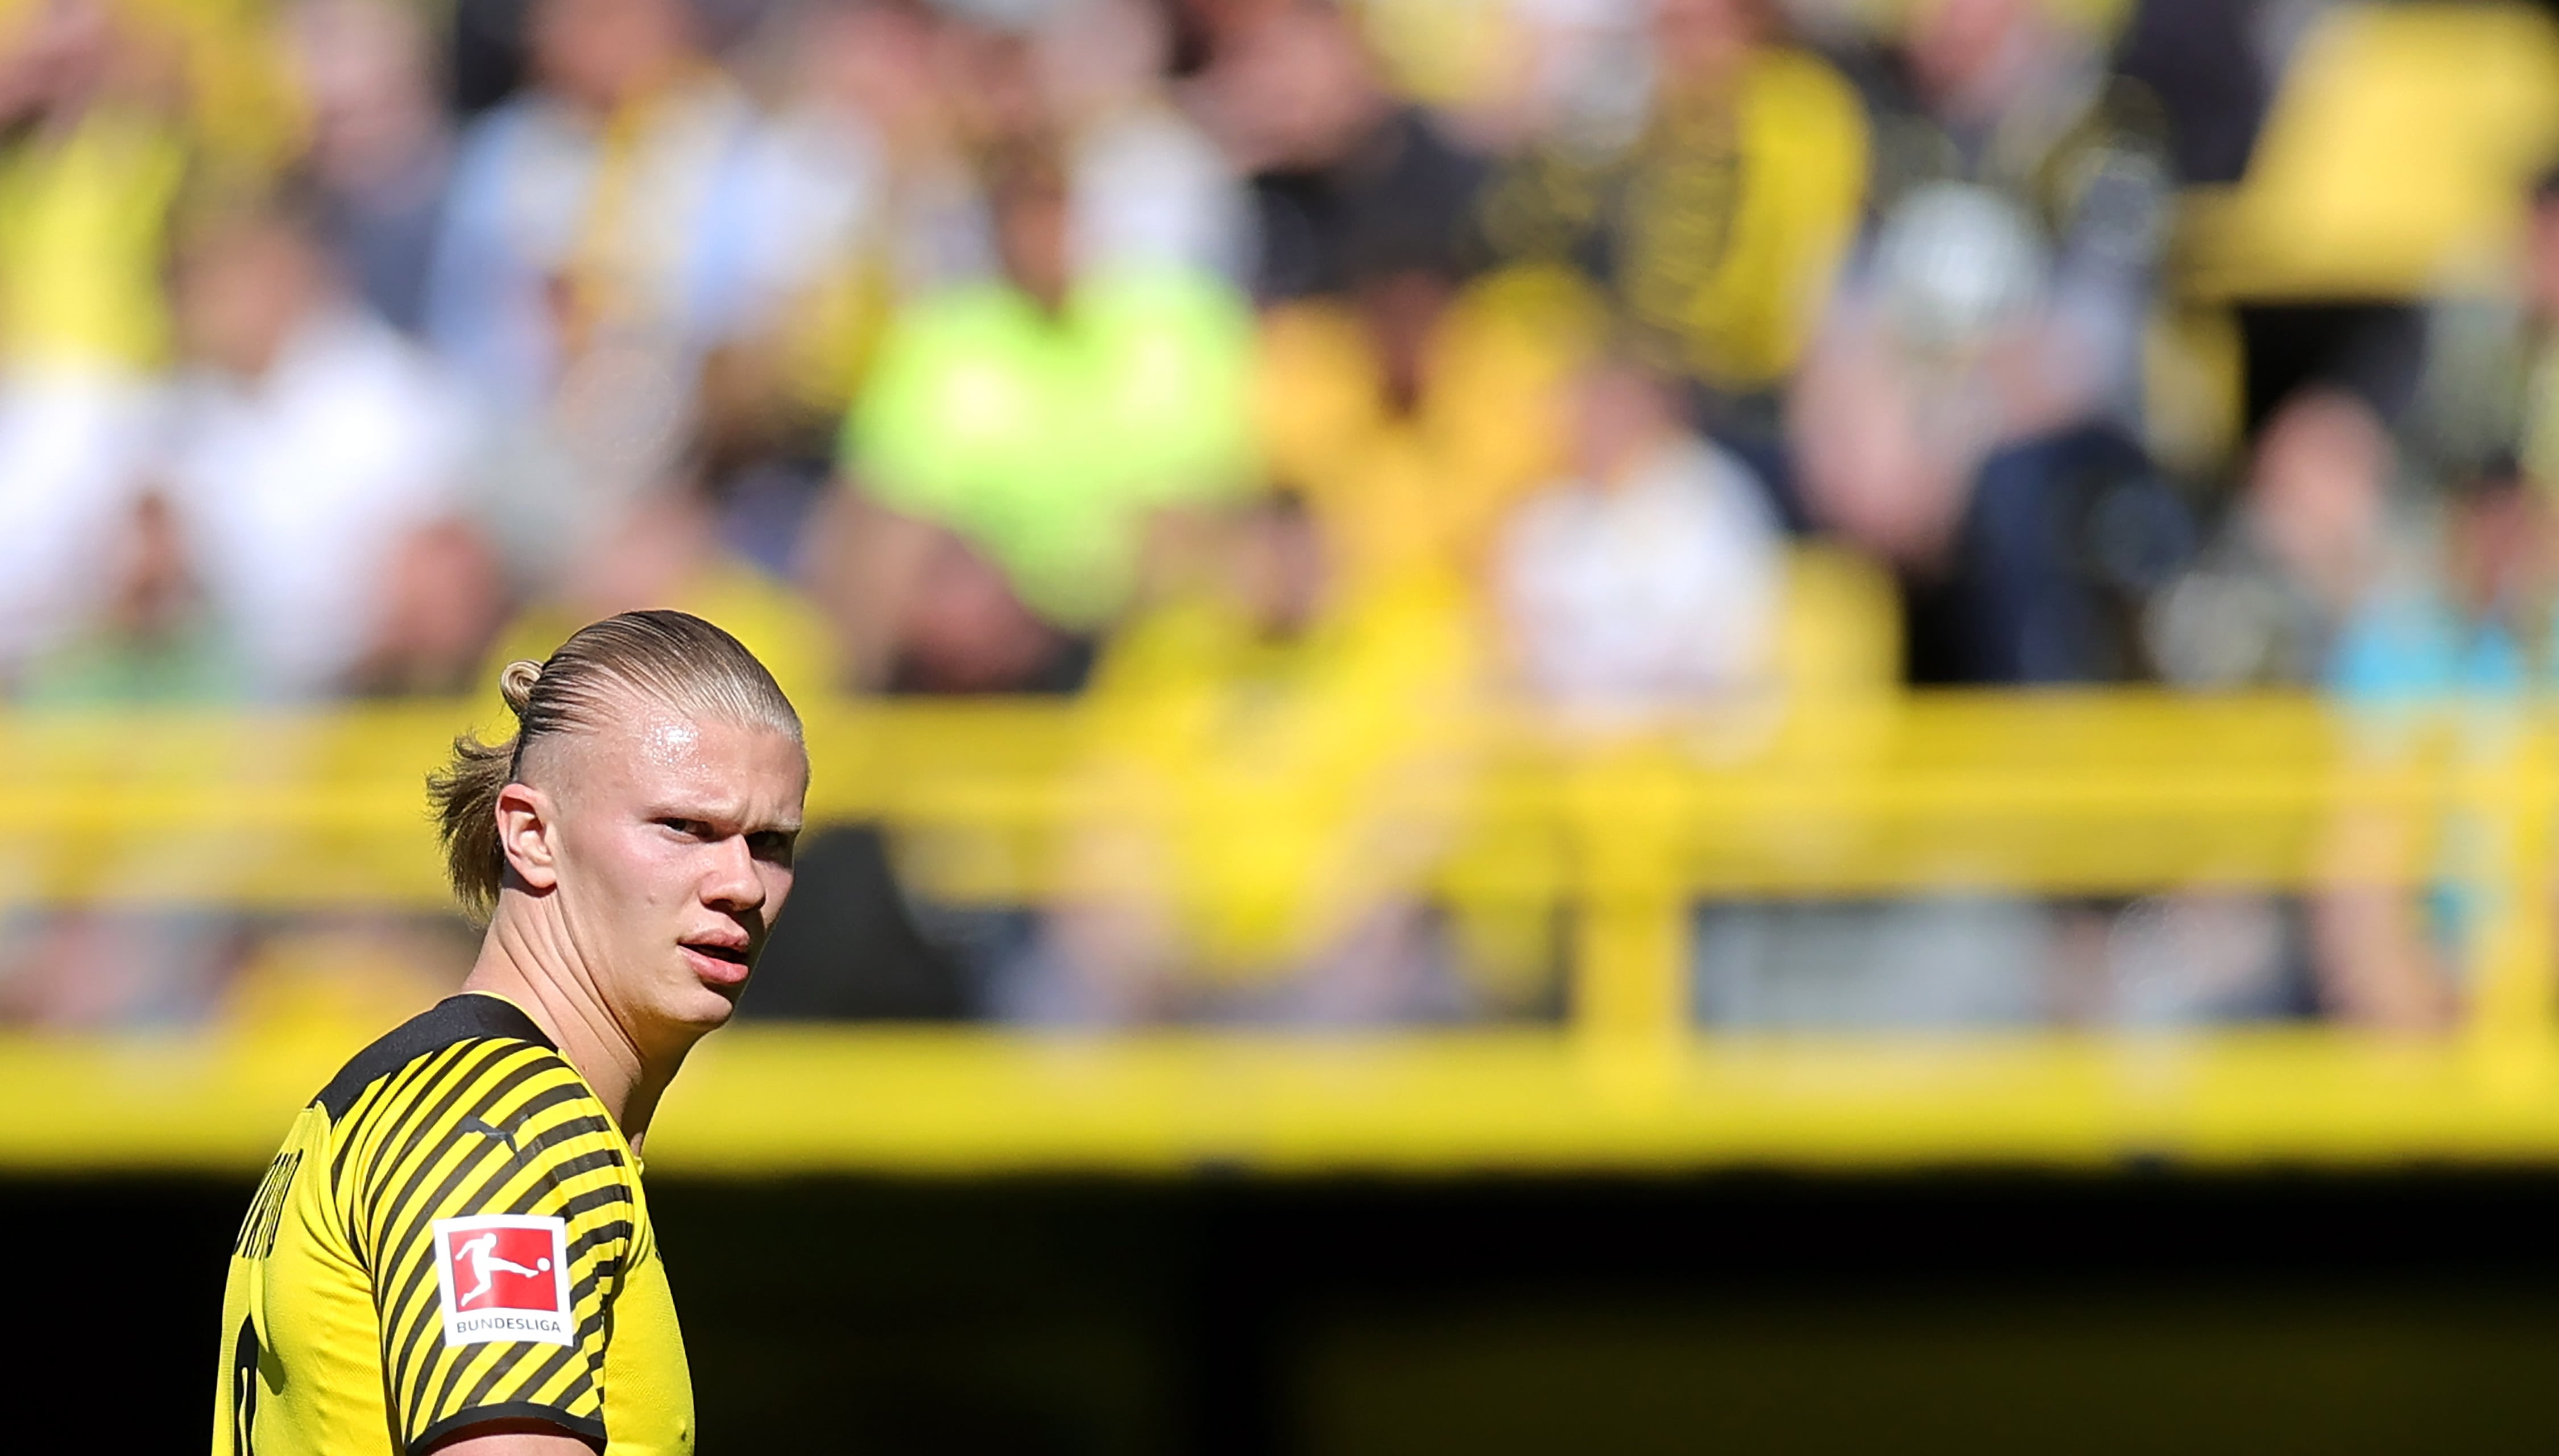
2064 793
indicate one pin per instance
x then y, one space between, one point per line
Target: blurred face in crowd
1295 91
442 601
243 286
993 83
1621 413
666 840
365 72
1701 44
605 54
1966 53
2501 557
1280 571
965 631
875 61
154 583
2541 259
2318 489
54 55
1092 52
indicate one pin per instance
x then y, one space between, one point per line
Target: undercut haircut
665 657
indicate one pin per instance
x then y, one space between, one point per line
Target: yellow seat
2394 162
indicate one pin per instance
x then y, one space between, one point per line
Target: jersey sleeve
491 1203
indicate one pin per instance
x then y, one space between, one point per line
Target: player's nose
732 884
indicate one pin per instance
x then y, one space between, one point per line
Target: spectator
1151 189
666 553
2489 394
2474 621
867 174
1047 419
872 178
910 339
1272 693
92 156
595 223
1716 213
73 445
95 154
319 466
1346 180
155 637
2266 600
1416 415
381 148
2466 624
1970 412
1653 573
2273 602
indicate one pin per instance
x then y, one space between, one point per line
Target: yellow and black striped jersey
453 1233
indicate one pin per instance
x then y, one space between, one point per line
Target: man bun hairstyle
667 657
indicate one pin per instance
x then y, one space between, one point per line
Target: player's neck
528 960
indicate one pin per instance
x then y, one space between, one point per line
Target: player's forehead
652 757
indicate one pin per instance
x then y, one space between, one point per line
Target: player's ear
526 826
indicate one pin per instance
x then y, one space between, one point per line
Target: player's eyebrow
728 816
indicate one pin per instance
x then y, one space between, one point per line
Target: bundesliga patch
504 1276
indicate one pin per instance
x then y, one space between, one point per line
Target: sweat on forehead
625 725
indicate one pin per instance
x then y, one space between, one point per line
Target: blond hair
667 657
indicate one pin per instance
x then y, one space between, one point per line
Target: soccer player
452 1252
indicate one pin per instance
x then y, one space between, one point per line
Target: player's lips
718 960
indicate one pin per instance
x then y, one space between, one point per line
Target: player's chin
703 1008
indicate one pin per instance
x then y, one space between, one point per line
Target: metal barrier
2062 794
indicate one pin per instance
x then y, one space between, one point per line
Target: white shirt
71 448
1666 586
295 489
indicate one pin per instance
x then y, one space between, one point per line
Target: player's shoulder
443 1039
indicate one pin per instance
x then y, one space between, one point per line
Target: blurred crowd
1274 374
